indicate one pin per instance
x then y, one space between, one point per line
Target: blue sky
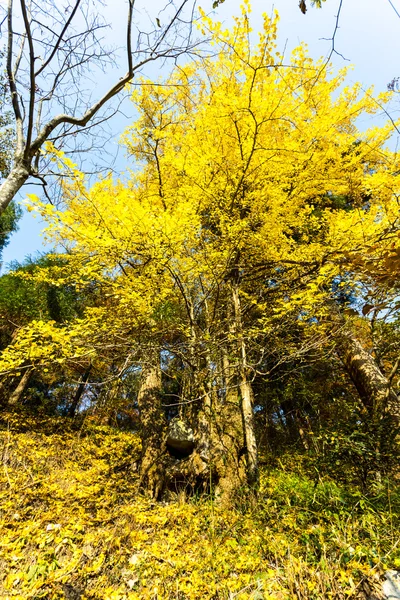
368 35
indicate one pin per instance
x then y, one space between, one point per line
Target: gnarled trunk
153 428
373 387
229 448
217 461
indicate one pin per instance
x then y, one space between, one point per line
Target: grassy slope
72 526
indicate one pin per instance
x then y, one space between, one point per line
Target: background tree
23 301
9 223
51 50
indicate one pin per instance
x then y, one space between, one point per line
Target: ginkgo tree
255 193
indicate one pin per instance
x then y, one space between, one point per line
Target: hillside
74 527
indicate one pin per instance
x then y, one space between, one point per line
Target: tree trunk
15 397
228 445
373 387
12 184
81 387
198 470
246 394
153 428
217 462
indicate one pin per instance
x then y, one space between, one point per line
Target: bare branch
12 83
54 93
31 76
94 109
60 37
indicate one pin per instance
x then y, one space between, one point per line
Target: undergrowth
72 526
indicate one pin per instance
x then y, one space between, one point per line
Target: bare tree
54 51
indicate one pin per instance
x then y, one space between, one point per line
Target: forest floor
73 526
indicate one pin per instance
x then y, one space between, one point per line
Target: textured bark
153 428
203 432
373 387
217 463
195 472
16 396
246 394
229 452
227 435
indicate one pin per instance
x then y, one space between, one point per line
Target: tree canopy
218 324
250 171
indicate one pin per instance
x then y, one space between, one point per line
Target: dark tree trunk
71 412
217 462
295 423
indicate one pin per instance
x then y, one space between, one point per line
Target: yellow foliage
71 522
249 163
